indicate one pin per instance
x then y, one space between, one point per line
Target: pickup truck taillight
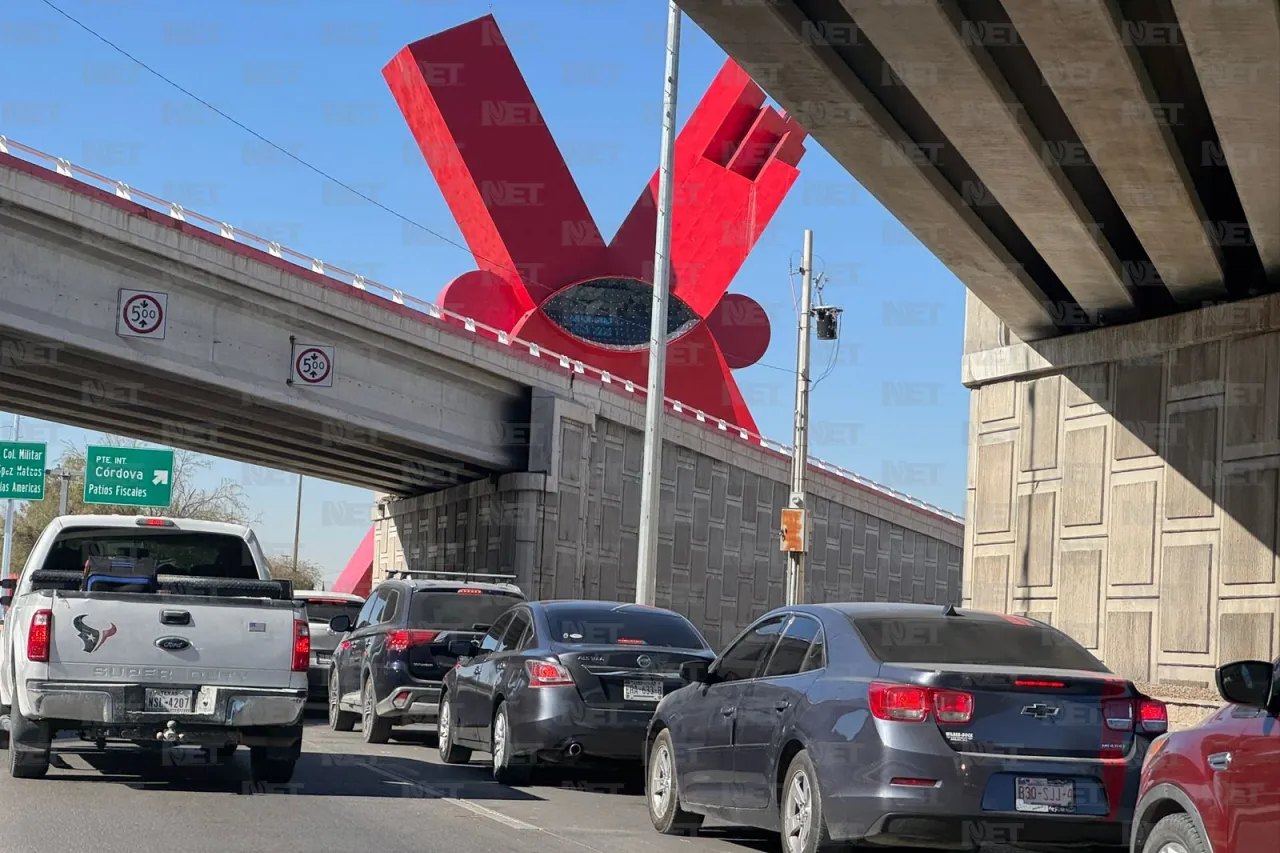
301 645
39 636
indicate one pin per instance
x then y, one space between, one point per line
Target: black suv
388 667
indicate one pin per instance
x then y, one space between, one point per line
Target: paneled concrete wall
1133 503
570 528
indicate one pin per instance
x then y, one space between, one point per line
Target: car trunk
625 677
430 660
1051 713
171 640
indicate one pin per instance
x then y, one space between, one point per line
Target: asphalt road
345 796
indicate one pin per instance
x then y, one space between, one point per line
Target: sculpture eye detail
615 312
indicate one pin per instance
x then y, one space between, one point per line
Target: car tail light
544 673
398 641
914 783
155 522
625 642
1034 683
1153 716
1119 714
39 636
470 591
301 645
952 706
899 702
910 704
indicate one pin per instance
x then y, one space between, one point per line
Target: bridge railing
456 322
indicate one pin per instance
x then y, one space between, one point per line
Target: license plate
642 691
168 701
325 659
1045 795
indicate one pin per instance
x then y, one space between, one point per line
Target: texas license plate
323 658
1045 795
168 701
642 691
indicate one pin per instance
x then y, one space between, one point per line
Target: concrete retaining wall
569 527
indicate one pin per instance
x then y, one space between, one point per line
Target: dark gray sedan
902 724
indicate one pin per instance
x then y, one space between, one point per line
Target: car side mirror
6 600
463 648
1247 682
697 672
8 584
340 624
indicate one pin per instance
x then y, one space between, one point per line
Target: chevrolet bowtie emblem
1040 711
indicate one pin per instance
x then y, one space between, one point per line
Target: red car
1215 788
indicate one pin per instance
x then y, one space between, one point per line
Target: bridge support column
1123 486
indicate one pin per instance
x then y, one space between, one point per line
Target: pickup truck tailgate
180 640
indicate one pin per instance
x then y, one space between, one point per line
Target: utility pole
655 410
64 476
297 527
8 515
796 521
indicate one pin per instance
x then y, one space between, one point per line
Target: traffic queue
836 723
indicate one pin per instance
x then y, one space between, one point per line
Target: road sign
128 476
312 365
22 470
142 314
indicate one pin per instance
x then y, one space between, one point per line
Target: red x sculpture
545 273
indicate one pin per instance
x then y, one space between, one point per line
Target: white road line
436 793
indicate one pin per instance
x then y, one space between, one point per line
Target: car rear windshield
174 552
957 640
324 609
596 626
447 610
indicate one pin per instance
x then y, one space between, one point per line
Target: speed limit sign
142 314
312 365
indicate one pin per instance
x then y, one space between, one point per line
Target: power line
322 173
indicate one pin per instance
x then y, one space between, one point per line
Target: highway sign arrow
160 478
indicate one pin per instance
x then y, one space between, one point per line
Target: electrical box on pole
793 531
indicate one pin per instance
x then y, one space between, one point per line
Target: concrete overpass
494 455
1104 178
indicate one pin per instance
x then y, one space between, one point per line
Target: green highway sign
22 470
128 476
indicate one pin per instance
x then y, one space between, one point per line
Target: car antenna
950 610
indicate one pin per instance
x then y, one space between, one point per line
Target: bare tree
305 575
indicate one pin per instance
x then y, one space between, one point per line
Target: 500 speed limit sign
142 314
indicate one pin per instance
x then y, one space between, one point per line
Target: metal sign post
8 515
651 487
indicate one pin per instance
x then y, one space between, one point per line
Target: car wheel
373 728
804 827
508 769
1176 833
4 733
450 752
339 720
28 746
663 793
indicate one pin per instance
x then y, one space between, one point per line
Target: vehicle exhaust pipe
574 750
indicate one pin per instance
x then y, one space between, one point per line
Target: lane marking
437 794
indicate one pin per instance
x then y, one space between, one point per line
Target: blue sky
306 74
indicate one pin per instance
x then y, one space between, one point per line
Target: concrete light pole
297 527
796 521
651 487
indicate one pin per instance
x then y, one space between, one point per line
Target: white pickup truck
158 631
